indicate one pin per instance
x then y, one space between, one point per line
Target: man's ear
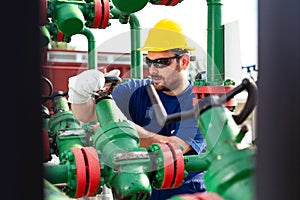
185 61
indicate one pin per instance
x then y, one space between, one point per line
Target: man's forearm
147 138
85 112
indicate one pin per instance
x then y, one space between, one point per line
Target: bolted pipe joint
168 165
115 138
130 174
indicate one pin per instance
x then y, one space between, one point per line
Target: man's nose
152 69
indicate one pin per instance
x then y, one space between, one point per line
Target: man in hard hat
167 58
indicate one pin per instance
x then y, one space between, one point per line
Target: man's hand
83 85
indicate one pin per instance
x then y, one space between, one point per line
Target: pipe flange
164 165
93 170
178 164
97 13
80 172
105 14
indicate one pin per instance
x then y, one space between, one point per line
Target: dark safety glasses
161 62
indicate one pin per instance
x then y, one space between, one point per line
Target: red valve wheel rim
173 2
178 164
98 13
168 166
80 172
93 170
105 14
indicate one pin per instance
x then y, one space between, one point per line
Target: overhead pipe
92 54
215 43
136 56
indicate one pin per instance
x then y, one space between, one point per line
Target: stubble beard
164 86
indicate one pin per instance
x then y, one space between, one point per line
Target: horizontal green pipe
56 173
196 163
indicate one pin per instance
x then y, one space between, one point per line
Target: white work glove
83 85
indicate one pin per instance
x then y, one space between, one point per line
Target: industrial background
23 143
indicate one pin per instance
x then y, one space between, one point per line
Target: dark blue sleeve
128 95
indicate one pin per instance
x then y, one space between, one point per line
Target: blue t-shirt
133 100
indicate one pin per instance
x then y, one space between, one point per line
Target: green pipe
56 173
60 104
108 112
136 56
215 43
69 17
63 124
92 53
196 163
219 130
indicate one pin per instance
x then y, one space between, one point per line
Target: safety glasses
161 62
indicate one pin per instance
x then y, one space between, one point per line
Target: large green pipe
108 112
56 173
136 56
69 17
215 43
92 53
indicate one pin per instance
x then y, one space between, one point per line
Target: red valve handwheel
80 172
105 14
178 164
168 166
93 170
98 13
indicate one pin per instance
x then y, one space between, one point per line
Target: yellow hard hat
165 35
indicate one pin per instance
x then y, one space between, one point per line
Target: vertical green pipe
108 112
136 56
215 43
60 104
135 38
92 53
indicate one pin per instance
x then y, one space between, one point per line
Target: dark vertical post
279 100
21 125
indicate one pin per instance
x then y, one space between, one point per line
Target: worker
168 57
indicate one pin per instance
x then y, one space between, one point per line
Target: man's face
168 77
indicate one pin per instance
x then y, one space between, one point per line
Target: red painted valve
88 171
171 174
101 14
